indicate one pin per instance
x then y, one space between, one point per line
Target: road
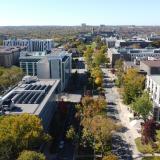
120 145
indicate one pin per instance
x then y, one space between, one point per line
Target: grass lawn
151 158
144 148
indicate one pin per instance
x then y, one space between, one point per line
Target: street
119 145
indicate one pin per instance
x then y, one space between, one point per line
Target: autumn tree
88 56
148 131
142 106
31 155
110 157
119 72
97 75
91 106
18 133
99 58
133 85
96 133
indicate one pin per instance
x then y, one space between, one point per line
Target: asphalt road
119 146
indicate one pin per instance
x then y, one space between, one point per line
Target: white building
31 44
153 86
56 65
143 53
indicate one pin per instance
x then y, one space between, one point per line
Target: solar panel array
32 94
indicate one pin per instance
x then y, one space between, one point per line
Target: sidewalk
131 134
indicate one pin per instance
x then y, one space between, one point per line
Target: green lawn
151 158
144 148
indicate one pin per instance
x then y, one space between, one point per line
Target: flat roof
152 63
31 98
6 49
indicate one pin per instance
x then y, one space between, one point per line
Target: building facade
152 67
31 44
47 66
10 55
153 86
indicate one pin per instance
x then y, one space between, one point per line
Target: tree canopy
18 133
143 106
31 155
133 85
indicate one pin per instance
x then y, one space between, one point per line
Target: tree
99 58
88 55
148 131
96 133
119 72
31 155
71 133
18 133
143 106
110 157
133 85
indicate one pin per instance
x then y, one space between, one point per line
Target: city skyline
50 12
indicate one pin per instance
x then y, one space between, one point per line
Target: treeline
9 77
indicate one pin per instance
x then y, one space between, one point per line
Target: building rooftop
152 63
4 50
54 54
32 97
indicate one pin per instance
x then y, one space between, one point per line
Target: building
142 43
10 55
56 65
110 42
31 44
37 97
152 67
113 56
129 64
154 37
153 86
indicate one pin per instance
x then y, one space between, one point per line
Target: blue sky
75 12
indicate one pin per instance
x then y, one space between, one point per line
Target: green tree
71 133
18 133
99 58
143 106
31 155
133 85
119 72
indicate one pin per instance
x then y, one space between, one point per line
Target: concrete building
31 44
38 98
153 86
110 42
154 37
152 67
10 55
134 41
113 56
56 65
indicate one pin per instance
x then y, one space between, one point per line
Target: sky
75 12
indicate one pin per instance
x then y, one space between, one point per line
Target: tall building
31 44
10 55
56 65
